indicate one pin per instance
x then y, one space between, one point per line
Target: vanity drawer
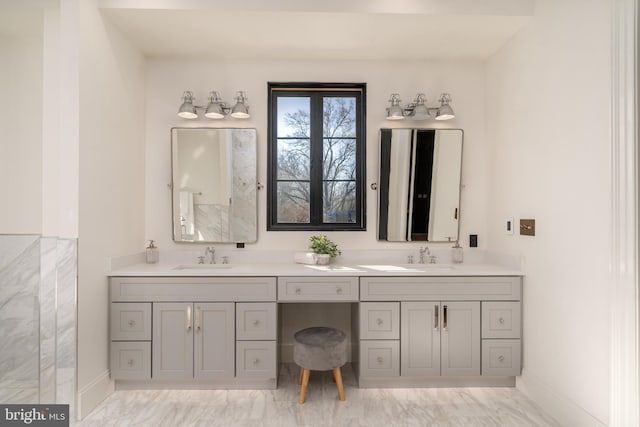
318 289
130 321
501 319
380 320
189 289
130 360
501 357
498 288
256 359
256 321
380 358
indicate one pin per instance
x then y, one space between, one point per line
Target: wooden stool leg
338 376
305 383
300 376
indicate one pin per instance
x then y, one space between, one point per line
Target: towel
187 220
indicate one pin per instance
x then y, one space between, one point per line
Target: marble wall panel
38 320
19 319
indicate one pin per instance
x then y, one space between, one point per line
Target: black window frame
314 90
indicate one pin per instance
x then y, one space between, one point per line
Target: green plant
320 244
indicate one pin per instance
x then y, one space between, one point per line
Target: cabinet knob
298 290
256 322
131 362
501 358
132 323
501 320
339 290
256 361
380 359
379 322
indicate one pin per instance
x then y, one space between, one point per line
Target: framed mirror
419 184
214 183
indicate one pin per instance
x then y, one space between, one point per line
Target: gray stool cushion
320 348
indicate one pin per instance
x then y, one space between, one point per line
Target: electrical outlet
508 226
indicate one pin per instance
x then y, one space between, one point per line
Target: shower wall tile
48 267
19 319
66 322
38 320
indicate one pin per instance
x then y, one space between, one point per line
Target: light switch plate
527 227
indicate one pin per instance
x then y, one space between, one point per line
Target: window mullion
316 201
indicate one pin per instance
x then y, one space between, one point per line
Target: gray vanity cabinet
440 338
182 330
193 340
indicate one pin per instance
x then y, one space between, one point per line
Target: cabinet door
214 340
420 338
460 338
172 346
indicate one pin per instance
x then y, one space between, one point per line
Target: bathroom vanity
412 326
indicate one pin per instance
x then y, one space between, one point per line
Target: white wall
111 193
167 79
548 103
21 134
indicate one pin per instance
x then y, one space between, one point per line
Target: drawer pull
132 323
256 322
444 318
380 359
501 358
131 362
501 320
339 291
256 361
436 309
298 290
379 322
188 318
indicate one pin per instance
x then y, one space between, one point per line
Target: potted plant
324 248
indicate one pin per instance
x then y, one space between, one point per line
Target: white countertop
292 269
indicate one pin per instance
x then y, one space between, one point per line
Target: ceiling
300 29
268 34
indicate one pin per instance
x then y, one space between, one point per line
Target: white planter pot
323 259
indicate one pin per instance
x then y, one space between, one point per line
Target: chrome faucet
211 250
424 250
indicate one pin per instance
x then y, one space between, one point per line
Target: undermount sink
408 268
202 267
335 268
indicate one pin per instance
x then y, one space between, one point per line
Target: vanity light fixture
240 110
418 109
216 108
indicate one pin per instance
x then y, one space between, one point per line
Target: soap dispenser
456 253
152 253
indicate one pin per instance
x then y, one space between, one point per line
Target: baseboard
558 406
90 396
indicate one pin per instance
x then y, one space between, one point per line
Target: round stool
319 349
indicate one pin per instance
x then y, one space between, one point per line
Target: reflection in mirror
419 184
214 185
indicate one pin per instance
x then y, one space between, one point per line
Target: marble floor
280 408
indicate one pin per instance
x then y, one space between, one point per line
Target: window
316 156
